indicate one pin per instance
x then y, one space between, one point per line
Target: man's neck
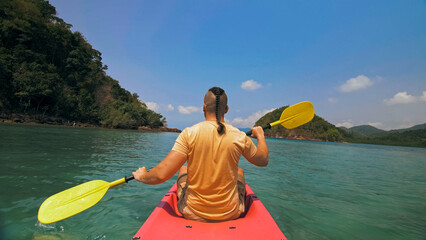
212 117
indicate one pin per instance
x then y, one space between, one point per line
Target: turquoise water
314 190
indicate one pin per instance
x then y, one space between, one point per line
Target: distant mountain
317 129
321 130
416 127
367 130
410 138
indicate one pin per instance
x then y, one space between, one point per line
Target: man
212 187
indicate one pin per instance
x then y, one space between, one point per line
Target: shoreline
55 121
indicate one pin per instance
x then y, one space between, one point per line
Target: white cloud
346 124
250 120
332 100
152 106
170 107
188 110
402 98
355 84
376 124
250 85
423 97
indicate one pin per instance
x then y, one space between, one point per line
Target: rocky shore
40 119
295 137
160 129
293 134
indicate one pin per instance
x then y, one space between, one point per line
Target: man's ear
227 109
204 107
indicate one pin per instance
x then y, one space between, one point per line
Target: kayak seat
250 198
171 205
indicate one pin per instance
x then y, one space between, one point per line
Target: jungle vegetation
49 71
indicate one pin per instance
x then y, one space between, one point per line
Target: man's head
213 96
216 102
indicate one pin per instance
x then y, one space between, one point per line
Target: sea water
313 190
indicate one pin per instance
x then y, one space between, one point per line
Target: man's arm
261 158
163 171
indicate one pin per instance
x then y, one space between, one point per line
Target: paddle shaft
267 126
129 178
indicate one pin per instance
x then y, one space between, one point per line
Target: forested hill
49 72
366 130
320 129
414 136
317 129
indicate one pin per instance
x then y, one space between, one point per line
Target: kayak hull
165 222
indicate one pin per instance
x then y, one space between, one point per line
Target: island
321 130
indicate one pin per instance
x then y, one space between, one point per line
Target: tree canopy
48 70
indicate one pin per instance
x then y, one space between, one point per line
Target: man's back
212 186
213 168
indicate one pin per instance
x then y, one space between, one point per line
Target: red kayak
165 222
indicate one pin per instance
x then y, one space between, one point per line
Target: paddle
75 200
293 116
79 198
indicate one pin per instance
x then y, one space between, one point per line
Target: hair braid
221 128
218 92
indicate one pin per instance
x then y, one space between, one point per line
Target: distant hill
411 138
320 129
367 130
416 127
317 129
370 131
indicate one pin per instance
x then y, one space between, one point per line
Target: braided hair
218 92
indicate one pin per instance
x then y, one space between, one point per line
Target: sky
358 62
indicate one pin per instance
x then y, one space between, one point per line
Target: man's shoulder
234 130
198 125
212 125
195 127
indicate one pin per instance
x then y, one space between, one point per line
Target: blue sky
358 62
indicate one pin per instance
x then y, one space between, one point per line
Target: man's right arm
261 158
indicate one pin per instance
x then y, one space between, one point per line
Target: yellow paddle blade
74 200
296 115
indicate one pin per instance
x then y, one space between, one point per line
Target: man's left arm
163 171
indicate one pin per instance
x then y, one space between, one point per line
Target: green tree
35 85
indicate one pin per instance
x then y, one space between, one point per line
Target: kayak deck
165 222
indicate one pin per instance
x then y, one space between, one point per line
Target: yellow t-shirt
213 168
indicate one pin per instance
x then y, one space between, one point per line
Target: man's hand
163 171
257 132
140 173
261 158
